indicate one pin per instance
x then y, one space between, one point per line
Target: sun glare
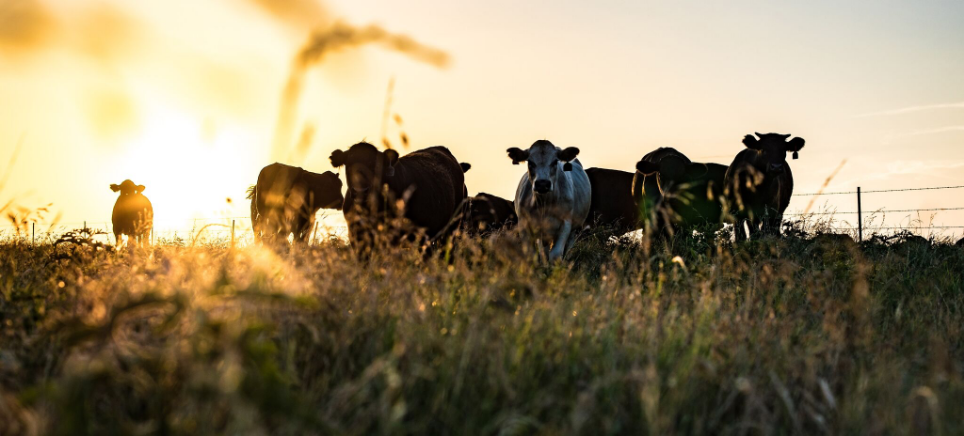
190 167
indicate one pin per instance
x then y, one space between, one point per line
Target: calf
690 193
425 187
759 183
487 213
133 214
554 195
286 199
612 207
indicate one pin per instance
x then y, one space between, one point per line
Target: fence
231 229
860 213
330 224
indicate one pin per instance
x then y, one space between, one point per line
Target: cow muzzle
542 186
775 168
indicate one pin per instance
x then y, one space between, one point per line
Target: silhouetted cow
554 195
429 181
690 193
486 213
612 206
759 183
286 199
133 214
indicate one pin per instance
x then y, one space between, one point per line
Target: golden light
189 166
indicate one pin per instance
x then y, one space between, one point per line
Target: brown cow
759 183
612 207
429 181
133 213
286 199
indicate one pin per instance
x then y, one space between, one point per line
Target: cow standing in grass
759 183
286 199
690 194
553 196
133 214
424 187
612 208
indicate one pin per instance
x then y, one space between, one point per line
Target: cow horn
758 135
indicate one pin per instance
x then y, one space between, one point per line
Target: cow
133 213
486 213
553 196
690 193
759 183
612 207
429 183
286 199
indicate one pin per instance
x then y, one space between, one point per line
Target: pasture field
776 336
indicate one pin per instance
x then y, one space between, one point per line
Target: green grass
771 337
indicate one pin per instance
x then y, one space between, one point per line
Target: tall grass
799 335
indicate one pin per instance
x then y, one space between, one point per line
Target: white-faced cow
759 183
554 195
425 186
133 214
286 199
690 193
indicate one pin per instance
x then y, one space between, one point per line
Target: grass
799 335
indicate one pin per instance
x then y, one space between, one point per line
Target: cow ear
114 187
391 156
646 167
140 188
750 142
337 158
568 154
795 145
518 155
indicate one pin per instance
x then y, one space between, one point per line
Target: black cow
487 213
430 182
690 193
759 183
286 199
612 206
133 213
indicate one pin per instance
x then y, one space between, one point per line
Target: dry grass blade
825 184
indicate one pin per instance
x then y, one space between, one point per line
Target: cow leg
771 225
739 229
559 246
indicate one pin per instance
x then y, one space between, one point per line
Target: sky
192 98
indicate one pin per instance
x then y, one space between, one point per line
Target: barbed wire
872 212
876 191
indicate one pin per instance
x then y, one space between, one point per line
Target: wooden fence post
34 232
232 234
860 218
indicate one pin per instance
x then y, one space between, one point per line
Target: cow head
545 161
127 187
668 171
772 149
325 190
365 166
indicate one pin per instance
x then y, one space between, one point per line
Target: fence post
232 234
33 239
860 218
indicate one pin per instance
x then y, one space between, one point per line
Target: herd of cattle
667 194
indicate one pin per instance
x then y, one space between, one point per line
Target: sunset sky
184 96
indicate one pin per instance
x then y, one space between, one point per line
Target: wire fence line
877 191
220 227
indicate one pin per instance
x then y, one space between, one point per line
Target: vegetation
801 335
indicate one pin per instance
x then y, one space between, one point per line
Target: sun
190 167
